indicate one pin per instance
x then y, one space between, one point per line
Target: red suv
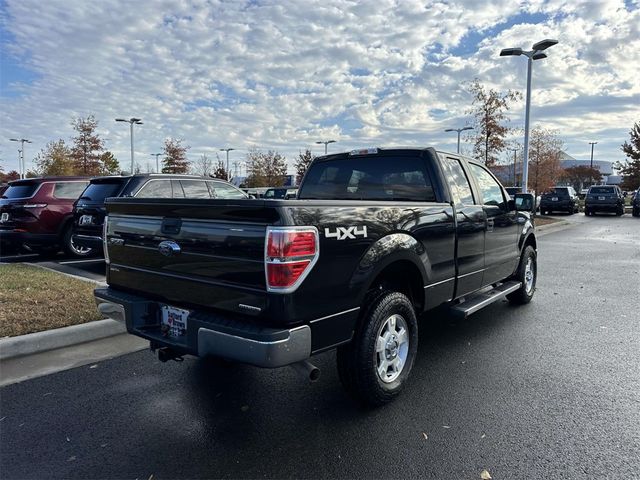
36 214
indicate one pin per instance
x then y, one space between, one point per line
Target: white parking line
82 261
13 257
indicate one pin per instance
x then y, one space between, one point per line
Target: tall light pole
325 142
536 53
157 163
458 130
22 165
227 168
591 164
132 121
515 180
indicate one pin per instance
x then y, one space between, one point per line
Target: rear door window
20 191
69 190
156 189
381 177
195 189
459 183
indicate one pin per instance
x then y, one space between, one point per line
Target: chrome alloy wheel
529 275
392 348
77 249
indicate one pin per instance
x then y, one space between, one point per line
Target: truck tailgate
207 253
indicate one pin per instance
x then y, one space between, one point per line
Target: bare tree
203 166
220 171
544 159
489 112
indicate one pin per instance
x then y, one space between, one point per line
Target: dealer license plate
4 217
174 321
554 199
600 198
86 220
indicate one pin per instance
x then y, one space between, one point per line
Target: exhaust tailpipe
307 369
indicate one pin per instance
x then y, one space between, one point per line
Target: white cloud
285 74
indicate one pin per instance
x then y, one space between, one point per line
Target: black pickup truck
375 238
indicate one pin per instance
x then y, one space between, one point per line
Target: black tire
525 293
73 250
620 211
358 361
635 212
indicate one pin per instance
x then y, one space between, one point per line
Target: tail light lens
290 254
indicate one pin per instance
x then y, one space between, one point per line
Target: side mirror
525 202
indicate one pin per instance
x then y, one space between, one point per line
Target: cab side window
489 187
459 183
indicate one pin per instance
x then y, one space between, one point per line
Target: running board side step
477 302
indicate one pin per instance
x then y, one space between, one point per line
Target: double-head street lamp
227 167
22 166
536 53
458 130
157 163
131 122
325 142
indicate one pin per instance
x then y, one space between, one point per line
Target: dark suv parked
559 199
89 211
604 198
36 214
635 204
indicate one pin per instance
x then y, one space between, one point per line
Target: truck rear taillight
290 254
107 260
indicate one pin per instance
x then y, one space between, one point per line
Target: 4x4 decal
342 233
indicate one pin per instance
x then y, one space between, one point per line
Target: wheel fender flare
384 252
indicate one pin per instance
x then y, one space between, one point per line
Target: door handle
489 224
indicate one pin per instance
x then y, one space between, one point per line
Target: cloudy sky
283 74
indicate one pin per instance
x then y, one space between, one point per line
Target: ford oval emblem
168 248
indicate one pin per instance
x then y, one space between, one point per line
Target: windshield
368 178
97 192
20 191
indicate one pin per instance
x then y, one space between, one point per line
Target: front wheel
527 274
376 364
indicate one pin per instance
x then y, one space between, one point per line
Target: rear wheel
636 212
527 274
71 248
620 211
376 364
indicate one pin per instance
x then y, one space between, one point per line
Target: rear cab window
458 182
374 177
68 190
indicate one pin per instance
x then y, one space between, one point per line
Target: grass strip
33 299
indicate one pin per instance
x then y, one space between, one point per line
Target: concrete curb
58 338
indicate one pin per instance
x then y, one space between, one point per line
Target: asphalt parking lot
91 268
547 390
